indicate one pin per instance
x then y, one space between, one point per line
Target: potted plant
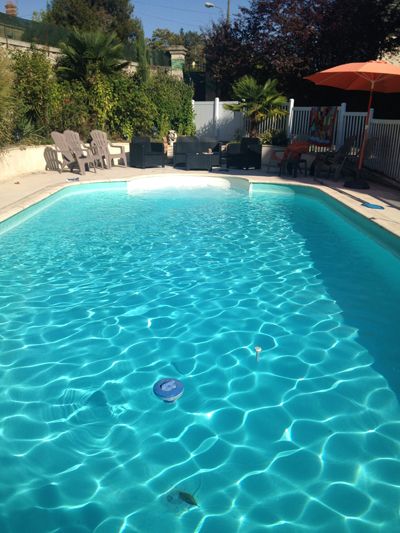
273 141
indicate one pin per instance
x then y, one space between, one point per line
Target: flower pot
266 154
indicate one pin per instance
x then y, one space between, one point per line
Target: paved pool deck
18 194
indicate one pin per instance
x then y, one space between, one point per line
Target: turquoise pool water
102 294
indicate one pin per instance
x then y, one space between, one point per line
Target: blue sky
171 14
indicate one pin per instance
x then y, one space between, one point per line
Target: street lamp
228 9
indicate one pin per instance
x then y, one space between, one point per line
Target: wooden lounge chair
83 153
62 148
52 160
101 148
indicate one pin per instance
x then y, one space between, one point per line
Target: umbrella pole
366 128
357 182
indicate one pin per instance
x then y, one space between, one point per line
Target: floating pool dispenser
168 389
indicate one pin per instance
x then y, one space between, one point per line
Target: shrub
69 107
34 84
133 112
6 102
120 104
173 99
101 100
275 137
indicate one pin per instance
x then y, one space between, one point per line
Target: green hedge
6 101
122 104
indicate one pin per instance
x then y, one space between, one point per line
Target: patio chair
62 147
83 153
52 160
292 161
101 148
245 155
145 153
332 163
184 144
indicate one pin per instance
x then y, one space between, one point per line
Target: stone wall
13 45
177 56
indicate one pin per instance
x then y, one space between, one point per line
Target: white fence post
340 128
371 115
216 117
289 124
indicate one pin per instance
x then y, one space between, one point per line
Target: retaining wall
20 160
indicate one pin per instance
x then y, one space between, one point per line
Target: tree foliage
162 37
33 99
226 57
143 70
107 15
34 81
289 39
193 42
69 107
173 99
134 112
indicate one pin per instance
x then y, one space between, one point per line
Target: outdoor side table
203 161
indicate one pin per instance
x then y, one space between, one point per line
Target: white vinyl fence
354 126
385 156
213 120
274 123
300 120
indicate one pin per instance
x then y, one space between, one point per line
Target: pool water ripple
103 294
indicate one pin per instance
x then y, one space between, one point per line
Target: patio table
202 161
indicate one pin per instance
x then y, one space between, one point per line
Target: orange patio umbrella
372 76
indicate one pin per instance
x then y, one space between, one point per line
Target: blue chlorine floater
168 389
372 206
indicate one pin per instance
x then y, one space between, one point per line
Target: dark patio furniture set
196 153
201 153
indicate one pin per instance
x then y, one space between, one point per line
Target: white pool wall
181 181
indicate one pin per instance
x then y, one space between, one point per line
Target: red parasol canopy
379 76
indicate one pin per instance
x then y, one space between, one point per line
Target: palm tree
86 54
257 102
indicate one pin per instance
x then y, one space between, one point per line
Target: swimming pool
105 292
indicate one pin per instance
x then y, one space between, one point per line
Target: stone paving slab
18 194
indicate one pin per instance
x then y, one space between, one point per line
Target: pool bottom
305 439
